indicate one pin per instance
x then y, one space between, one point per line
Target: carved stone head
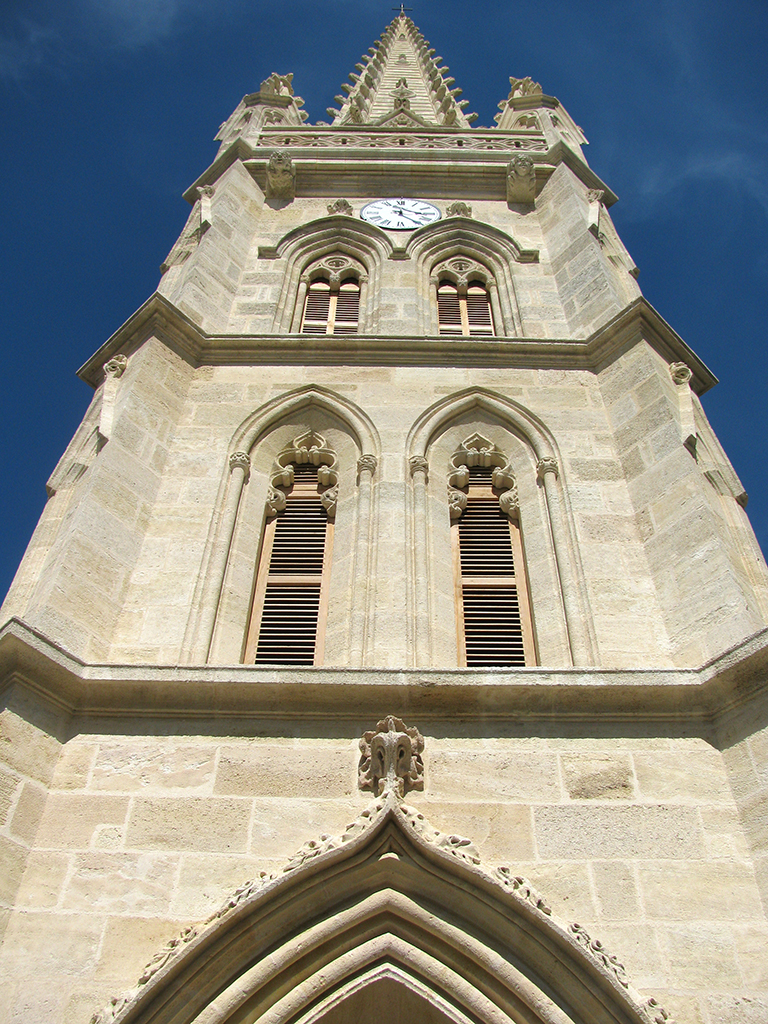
521 179
281 176
391 758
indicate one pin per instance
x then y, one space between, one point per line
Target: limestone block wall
231 277
670 572
148 829
591 289
163 593
30 752
80 586
208 262
709 602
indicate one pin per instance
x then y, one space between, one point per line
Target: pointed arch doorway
393 923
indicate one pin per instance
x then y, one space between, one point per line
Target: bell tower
397 460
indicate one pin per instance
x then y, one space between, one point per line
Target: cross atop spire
402 9
401 60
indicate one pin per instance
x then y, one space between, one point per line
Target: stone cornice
159 318
731 687
475 173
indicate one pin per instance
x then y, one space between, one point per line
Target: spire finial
402 9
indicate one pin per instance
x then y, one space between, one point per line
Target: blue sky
109 108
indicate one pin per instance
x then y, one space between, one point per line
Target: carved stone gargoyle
521 179
281 177
391 758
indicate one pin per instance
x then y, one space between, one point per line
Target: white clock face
400 214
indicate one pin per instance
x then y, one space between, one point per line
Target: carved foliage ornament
309 448
596 949
384 139
479 451
391 758
277 85
459 210
523 87
367 464
547 465
340 206
240 460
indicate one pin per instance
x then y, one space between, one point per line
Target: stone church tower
395 519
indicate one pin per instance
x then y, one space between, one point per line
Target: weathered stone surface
284 771
146 774
647 832
172 823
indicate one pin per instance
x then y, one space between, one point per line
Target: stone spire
400 82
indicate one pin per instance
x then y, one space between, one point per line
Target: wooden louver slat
495 630
317 308
468 315
329 311
448 309
479 311
291 584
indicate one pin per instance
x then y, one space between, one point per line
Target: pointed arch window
291 592
332 307
464 300
493 612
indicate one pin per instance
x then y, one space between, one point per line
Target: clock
400 214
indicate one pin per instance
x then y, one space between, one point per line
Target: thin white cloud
30 47
134 23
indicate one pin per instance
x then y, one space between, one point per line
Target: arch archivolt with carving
330 246
481 427
396 911
310 425
442 250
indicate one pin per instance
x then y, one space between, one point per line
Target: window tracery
290 597
463 298
493 611
331 303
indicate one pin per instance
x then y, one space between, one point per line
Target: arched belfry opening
393 921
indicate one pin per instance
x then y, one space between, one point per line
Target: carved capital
206 191
521 179
240 460
391 758
340 206
680 373
595 195
547 465
115 368
367 464
281 176
459 210
418 464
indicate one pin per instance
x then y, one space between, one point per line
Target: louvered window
329 310
492 597
290 597
468 315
